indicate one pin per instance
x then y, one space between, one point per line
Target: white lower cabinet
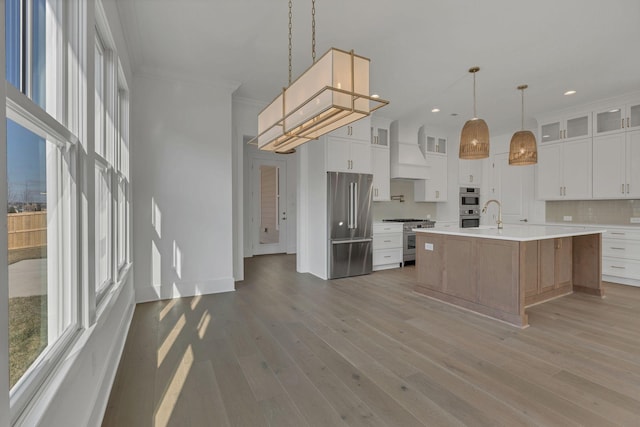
621 256
387 245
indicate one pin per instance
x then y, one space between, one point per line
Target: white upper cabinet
360 129
470 172
563 127
616 118
616 174
564 170
431 144
347 155
381 173
379 132
433 189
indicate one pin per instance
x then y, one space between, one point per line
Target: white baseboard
620 280
184 289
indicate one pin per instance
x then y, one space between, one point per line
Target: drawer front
387 241
387 256
389 227
621 268
617 248
623 234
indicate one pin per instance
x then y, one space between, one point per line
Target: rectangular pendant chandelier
332 93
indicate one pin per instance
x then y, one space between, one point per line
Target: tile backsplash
609 212
406 209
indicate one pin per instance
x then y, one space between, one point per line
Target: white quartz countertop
520 233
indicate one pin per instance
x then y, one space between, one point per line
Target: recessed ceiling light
435 110
375 95
570 92
614 110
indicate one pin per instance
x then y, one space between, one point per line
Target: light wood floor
289 349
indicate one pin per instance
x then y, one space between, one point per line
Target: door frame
272 248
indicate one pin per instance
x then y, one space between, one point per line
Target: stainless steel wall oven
469 207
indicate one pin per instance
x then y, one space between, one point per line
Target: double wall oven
469 207
409 236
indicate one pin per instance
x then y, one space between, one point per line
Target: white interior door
269 206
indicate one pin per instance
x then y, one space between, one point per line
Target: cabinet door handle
627 188
470 178
387 241
622 189
617 233
615 266
622 127
617 249
387 256
627 121
437 194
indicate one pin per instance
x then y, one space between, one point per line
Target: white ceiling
420 50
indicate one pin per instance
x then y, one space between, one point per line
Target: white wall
182 175
312 210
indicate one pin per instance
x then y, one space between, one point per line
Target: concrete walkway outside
27 278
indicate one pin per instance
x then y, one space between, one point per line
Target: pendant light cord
522 92
475 116
313 30
290 27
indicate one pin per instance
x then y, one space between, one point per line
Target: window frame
26 113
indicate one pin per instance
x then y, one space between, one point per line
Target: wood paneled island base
499 273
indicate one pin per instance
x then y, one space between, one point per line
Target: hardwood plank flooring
289 349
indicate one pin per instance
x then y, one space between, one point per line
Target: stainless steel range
409 236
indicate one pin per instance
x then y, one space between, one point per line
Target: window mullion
27 20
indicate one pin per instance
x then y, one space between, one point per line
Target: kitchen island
499 272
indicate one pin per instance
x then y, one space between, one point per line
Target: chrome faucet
484 210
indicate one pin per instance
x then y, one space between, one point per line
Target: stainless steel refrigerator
350 224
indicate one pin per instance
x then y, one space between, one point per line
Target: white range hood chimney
408 160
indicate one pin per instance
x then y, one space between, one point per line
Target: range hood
408 160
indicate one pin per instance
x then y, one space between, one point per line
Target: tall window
41 211
104 186
46 72
32 56
122 149
100 97
103 228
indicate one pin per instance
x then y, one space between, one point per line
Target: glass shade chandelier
474 138
333 92
523 150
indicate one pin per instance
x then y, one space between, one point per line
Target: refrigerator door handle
352 207
350 196
342 242
355 205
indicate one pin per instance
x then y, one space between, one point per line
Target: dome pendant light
474 138
523 150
